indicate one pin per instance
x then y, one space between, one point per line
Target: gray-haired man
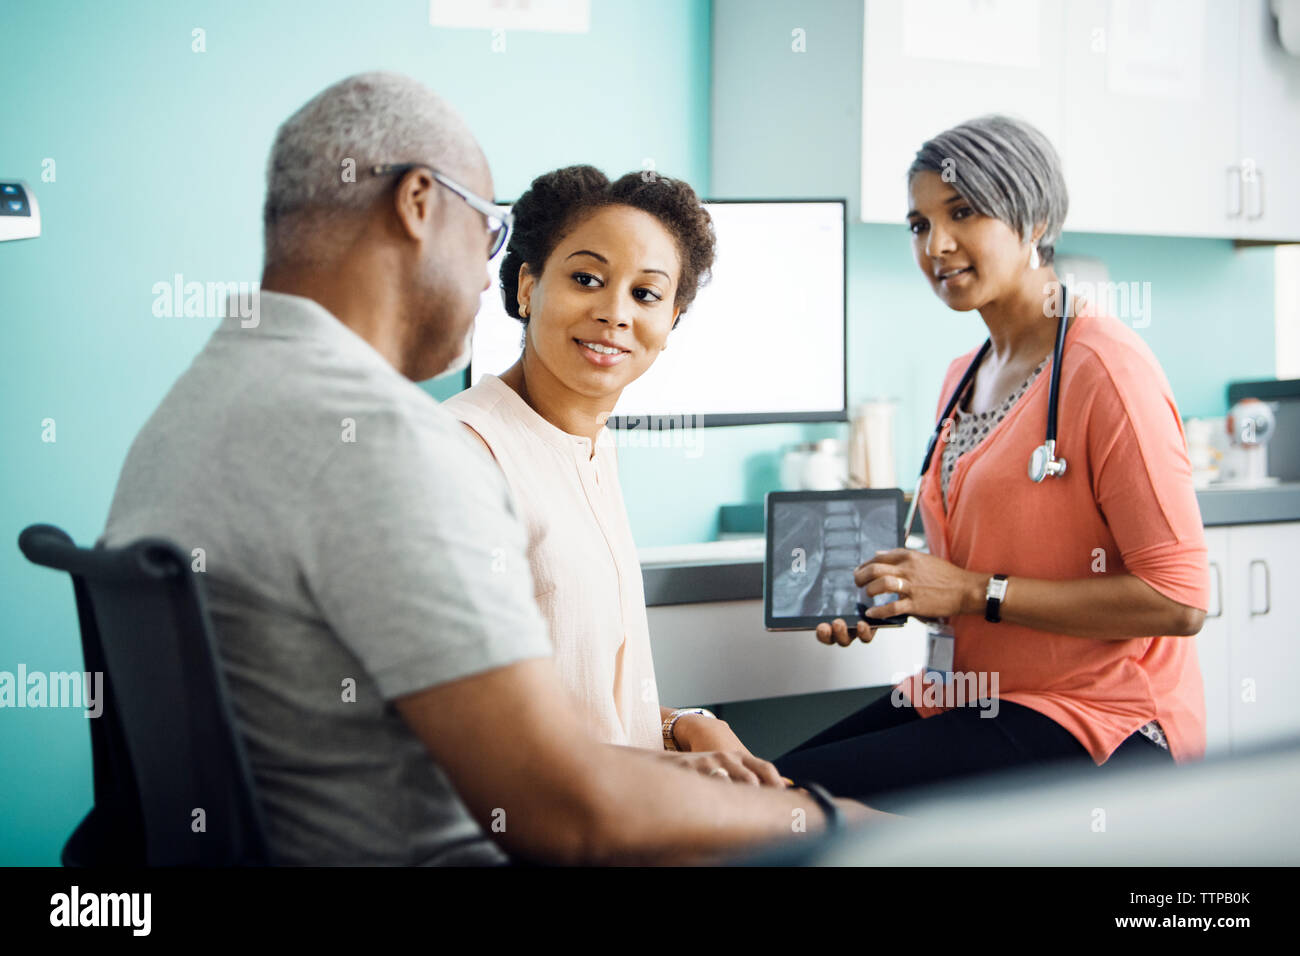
373 608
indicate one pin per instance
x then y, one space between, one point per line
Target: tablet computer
815 541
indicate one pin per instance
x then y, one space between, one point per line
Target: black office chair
165 744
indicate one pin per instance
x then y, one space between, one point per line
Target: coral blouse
1126 505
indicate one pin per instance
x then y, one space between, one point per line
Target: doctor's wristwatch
670 742
997 590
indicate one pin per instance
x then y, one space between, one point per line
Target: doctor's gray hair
318 179
1006 169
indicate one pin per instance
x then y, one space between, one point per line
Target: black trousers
882 748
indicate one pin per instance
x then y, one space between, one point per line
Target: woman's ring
719 772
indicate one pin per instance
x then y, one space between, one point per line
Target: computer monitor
764 340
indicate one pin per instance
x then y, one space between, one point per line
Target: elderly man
372 604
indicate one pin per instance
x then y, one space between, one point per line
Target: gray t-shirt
357 547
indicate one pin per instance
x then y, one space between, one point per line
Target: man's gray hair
318 178
1006 169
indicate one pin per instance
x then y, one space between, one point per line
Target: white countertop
706 552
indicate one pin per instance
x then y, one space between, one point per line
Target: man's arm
511 744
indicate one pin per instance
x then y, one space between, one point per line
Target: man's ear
415 202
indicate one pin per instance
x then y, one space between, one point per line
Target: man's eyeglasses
499 218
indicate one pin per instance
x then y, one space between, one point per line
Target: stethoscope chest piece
1043 463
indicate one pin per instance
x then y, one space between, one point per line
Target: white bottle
871 445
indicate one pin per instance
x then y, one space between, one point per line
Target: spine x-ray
816 547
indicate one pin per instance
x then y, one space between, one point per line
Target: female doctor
1061 604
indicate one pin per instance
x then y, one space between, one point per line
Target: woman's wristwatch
670 742
997 591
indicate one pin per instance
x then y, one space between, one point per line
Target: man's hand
856 812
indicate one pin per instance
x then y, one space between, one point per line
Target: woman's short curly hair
558 200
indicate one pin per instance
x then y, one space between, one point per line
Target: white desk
718 651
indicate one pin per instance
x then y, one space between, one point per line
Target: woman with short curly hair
599 273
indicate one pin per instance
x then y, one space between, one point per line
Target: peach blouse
582 556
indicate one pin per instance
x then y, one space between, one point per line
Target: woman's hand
697 732
708 745
837 632
928 587
736 766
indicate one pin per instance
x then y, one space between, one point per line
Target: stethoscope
1043 463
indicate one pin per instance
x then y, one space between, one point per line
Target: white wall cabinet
1172 117
917 84
1269 134
1249 648
1151 118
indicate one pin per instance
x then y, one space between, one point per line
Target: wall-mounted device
20 215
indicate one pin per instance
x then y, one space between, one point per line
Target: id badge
939 663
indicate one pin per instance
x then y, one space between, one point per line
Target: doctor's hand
928 587
837 632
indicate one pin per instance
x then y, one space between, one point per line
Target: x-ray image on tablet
815 541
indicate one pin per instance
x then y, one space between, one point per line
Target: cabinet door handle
1268 597
1218 591
1258 179
1234 191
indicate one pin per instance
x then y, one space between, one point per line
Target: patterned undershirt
968 430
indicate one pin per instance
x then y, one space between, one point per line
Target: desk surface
732 570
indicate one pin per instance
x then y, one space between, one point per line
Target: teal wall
160 154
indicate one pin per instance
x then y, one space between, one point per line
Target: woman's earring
1033 258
